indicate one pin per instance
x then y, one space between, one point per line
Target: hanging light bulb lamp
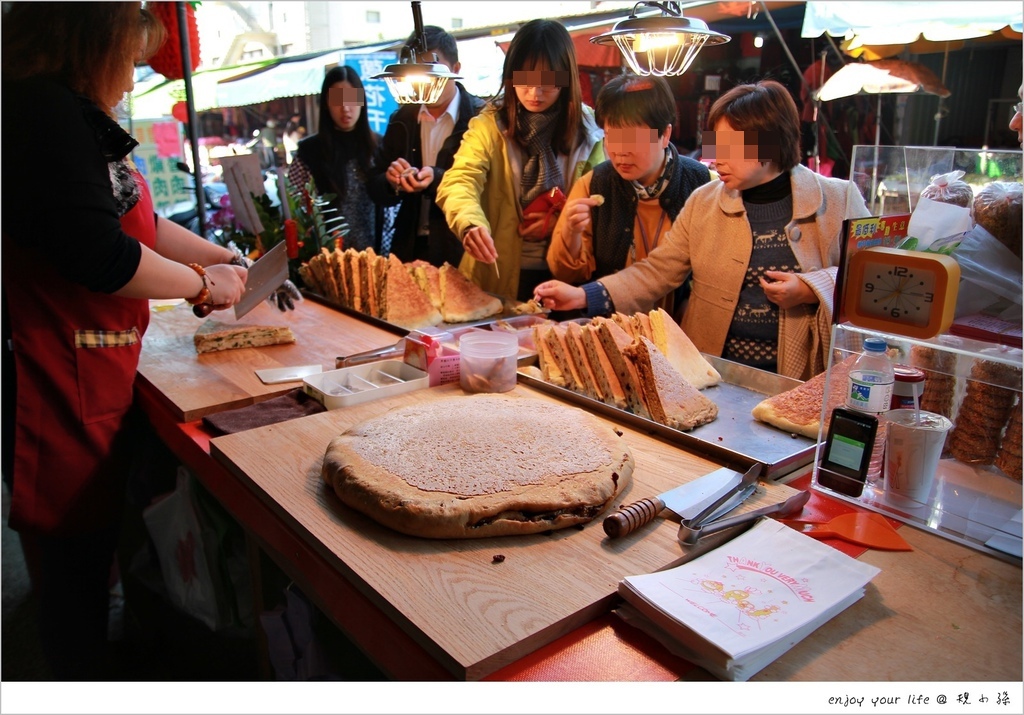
412 81
662 45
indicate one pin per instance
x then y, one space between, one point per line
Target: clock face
900 292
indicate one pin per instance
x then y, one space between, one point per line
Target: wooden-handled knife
686 500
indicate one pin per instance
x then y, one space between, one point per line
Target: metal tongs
689 534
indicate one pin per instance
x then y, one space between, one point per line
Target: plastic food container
362 383
488 361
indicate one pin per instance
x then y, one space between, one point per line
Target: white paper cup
912 453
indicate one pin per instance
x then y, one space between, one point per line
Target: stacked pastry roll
987 407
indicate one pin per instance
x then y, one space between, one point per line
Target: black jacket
402 139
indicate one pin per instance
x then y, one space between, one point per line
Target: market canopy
157 101
919 26
285 79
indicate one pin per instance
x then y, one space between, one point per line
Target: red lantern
180 111
167 60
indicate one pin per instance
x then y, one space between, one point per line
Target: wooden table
941 612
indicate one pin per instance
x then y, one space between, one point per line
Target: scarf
541 171
614 221
654 190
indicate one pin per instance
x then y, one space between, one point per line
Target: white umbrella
878 78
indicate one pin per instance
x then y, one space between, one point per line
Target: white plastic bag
936 227
175 527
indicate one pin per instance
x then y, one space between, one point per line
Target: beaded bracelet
204 295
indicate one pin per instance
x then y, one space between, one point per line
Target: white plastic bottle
870 390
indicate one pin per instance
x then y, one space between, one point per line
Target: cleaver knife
687 500
263 278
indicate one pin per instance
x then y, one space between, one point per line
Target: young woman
83 252
762 244
642 186
536 136
341 155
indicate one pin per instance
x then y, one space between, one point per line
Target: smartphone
847 451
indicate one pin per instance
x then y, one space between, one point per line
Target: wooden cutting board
196 385
472 614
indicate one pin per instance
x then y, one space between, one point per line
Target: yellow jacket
482 189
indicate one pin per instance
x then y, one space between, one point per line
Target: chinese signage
379 102
157 156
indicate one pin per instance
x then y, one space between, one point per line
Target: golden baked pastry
480 465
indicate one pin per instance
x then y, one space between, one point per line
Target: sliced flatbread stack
405 304
680 351
670 399
213 336
403 470
462 300
798 410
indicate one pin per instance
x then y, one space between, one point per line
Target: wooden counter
941 612
196 385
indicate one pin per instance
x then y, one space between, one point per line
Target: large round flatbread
481 465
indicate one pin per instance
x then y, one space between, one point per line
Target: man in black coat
419 145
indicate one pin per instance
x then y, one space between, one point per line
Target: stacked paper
738 608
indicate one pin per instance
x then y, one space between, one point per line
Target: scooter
186 213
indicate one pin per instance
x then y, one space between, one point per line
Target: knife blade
732 503
265 275
684 500
750 477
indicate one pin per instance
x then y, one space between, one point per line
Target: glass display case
972 500
972 371
891 178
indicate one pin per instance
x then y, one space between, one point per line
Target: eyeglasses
1016 109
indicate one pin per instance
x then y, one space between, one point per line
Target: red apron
76 353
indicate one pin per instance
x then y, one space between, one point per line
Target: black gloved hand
285 296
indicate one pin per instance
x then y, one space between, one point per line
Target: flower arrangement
304 220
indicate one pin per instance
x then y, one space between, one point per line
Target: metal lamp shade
413 83
661 46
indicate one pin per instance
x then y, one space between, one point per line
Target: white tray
362 383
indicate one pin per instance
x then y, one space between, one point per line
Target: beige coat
482 189
711 238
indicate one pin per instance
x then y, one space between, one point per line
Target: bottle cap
875 345
905 373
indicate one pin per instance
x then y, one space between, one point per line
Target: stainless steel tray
735 437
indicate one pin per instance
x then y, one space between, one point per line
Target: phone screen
851 437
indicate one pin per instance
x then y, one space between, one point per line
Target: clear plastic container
872 377
487 361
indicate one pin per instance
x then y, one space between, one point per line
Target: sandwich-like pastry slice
213 336
462 300
555 339
404 303
338 270
681 352
351 268
549 369
429 279
604 373
615 340
574 341
671 400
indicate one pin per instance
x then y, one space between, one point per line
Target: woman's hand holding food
577 213
557 295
